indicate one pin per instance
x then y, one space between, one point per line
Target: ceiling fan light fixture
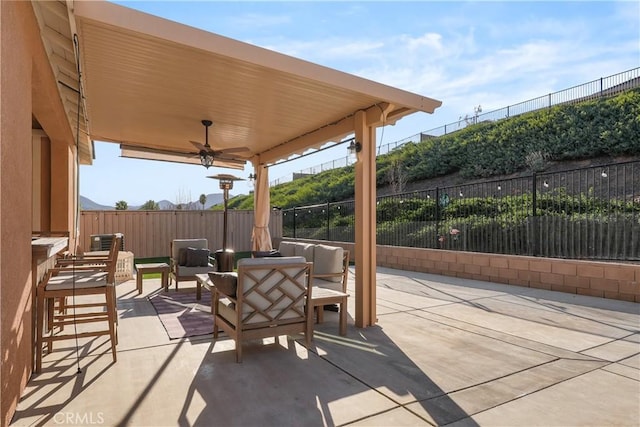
206 156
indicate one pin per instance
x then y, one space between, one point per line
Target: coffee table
156 267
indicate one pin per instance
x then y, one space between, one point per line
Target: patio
445 351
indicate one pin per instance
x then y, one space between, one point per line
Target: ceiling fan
207 154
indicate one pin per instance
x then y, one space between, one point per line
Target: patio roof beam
374 116
298 145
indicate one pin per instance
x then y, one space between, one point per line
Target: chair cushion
183 271
326 284
328 260
306 250
297 249
225 282
79 280
197 257
271 261
287 248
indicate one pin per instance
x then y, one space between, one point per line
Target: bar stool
70 282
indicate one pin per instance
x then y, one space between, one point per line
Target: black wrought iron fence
602 87
587 213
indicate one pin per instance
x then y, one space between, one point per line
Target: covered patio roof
148 82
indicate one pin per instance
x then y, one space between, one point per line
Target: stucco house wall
28 91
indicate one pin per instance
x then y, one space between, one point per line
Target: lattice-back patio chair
267 298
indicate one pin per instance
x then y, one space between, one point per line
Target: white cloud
256 21
463 72
430 41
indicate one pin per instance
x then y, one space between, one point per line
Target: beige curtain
261 238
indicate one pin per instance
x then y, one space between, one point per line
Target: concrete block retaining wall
595 278
612 280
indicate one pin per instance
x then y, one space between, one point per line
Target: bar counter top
46 247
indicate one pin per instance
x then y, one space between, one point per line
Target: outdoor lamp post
224 256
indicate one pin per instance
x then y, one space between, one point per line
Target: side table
203 279
322 296
156 267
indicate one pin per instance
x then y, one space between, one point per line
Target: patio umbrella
261 238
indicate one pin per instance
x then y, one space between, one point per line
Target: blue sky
465 54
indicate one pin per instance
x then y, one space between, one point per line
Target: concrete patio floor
445 351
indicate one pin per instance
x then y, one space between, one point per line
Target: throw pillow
182 256
226 283
197 257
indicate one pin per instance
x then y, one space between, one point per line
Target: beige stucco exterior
28 92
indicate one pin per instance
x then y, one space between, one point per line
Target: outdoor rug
182 315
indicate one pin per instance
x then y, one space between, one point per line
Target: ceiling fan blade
134 152
234 150
200 146
229 156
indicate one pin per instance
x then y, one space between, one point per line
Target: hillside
87 204
457 178
212 200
